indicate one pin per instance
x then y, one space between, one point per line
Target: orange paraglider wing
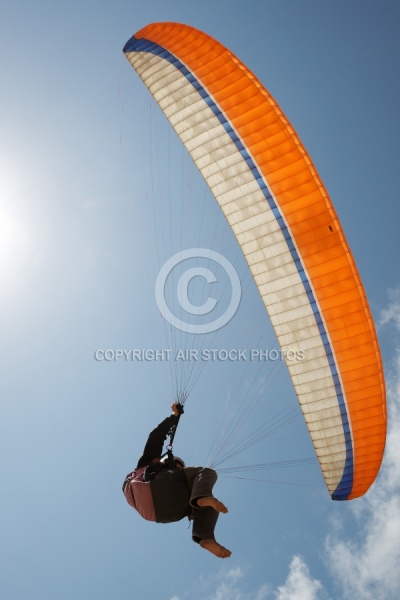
290 235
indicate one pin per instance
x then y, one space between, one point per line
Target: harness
138 494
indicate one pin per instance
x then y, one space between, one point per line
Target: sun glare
14 239
13 248
14 244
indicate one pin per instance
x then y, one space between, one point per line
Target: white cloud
299 584
392 312
230 589
231 586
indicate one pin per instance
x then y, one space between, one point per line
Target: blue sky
86 165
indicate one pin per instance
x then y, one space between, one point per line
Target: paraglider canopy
284 221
